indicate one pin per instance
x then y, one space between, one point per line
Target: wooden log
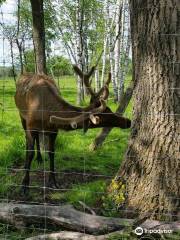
65 216
148 224
61 216
64 235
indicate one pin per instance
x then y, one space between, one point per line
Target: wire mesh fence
82 176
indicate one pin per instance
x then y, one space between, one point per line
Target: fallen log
64 235
66 217
20 215
148 225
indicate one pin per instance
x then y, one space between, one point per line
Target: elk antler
103 92
83 116
85 78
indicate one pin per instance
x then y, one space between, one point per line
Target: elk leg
30 142
52 180
39 156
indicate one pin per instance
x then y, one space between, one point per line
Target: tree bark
39 35
151 166
20 215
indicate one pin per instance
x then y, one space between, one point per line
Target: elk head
82 118
106 118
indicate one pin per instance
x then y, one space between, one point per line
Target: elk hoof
52 182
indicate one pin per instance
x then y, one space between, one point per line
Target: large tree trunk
39 35
151 167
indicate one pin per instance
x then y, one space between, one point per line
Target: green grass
72 155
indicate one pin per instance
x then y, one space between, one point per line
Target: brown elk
42 109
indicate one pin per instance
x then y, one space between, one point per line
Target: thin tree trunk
151 166
70 51
126 57
35 57
97 80
85 40
79 51
24 53
122 49
105 43
39 35
12 60
19 45
124 52
117 43
111 54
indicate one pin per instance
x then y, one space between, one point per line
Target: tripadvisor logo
139 231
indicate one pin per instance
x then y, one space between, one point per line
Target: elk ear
91 71
78 71
103 93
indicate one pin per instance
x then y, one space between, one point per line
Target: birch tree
121 61
111 49
79 51
105 43
97 80
125 43
78 23
16 34
116 39
118 22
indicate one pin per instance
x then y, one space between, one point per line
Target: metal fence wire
83 176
